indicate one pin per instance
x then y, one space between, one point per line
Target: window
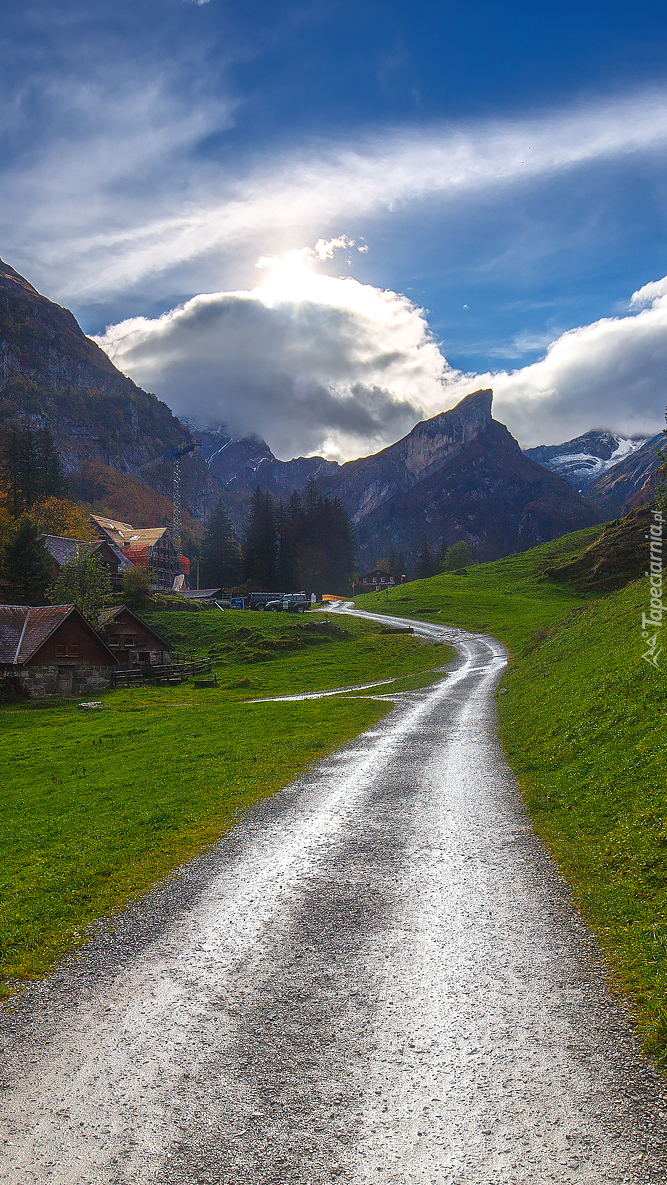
66 649
113 641
129 641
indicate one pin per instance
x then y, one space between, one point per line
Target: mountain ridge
458 475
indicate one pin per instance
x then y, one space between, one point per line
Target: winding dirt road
376 977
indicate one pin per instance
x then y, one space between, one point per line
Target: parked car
259 600
295 603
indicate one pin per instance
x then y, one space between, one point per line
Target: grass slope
509 598
98 806
584 726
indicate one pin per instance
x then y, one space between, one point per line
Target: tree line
446 558
307 543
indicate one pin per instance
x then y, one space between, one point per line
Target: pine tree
401 566
325 543
288 519
442 557
219 557
31 468
260 548
50 482
426 563
27 567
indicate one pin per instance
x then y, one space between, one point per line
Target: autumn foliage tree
61 516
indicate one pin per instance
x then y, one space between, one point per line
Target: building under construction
151 548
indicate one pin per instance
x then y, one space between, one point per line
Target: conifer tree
27 566
260 547
219 557
426 561
31 468
288 519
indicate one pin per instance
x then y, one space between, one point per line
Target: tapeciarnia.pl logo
652 621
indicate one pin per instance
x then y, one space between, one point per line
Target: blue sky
502 167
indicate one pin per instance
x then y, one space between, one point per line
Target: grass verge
98 806
584 725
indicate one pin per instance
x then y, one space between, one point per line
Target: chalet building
151 548
63 550
133 642
52 650
377 579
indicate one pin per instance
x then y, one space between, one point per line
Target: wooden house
52 650
131 640
64 550
377 579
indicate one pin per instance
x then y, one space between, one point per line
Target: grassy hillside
584 724
509 598
98 806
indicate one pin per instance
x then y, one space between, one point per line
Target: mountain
51 373
103 425
237 465
459 475
586 458
631 482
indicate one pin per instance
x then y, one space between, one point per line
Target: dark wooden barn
51 650
134 643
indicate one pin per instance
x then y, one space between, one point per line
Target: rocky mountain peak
432 442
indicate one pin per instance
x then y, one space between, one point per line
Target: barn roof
108 616
125 535
24 628
143 536
113 530
63 550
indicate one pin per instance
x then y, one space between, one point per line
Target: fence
177 672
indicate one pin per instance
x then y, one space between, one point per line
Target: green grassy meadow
98 806
509 598
583 721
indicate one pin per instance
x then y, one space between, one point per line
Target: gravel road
376 977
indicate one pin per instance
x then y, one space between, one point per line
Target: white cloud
309 362
313 363
610 374
103 238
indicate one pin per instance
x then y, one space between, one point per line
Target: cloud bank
318 364
309 362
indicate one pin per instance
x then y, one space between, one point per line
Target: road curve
377 976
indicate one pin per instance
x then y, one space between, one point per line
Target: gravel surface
377 976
